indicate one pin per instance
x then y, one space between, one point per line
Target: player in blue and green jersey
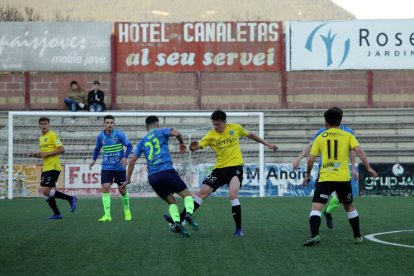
333 145
114 161
333 202
162 176
50 149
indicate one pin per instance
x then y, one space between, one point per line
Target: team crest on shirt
231 132
115 139
45 140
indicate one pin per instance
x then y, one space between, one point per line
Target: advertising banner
356 44
198 46
58 47
393 179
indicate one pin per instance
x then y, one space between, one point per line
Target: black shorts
166 183
112 176
222 176
49 178
324 189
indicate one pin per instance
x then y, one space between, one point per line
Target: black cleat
189 218
329 220
180 228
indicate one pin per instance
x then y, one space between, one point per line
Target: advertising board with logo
198 46
356 44
57 46
395 179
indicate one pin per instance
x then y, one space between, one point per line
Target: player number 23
153 144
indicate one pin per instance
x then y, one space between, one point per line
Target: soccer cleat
238 233
359 240
128 215
73 204
193 223
329 220
105 218
168 219
312 241
180 228
171 224
55 217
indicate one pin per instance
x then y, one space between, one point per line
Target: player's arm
361 154
95 153
42 154
309 166
253 136
179 137
130 169
302 154
128 151
352 156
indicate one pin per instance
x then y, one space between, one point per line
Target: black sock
236 211
52 204
63 196
355 226
184 211
314 223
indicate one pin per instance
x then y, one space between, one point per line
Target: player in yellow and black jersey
50 149
333 145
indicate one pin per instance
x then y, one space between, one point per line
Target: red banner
198 46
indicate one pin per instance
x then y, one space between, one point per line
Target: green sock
106 200
125 201
333 204
173 210
189 204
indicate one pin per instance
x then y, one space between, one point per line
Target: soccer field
274 230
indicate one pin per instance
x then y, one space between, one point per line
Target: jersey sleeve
138 149
166 132
315 147
57 141
205 141
353 142
242 131
124 139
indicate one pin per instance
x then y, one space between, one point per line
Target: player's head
44 124
333 117
339 110
152 122
96 84
109 123
218 117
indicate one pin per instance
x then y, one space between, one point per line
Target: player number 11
335 149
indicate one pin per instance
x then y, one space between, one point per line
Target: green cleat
182 230
329 220
193 223
105 218
128 215
312 241
359 240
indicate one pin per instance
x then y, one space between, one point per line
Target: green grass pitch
274 230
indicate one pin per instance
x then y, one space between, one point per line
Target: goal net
78 132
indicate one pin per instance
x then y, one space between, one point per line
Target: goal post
78 132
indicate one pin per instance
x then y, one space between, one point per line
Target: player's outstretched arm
179 137
194 146
309 166
130 169
302 154
253 136
352 156
361 154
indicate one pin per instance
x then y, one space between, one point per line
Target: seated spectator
75 100
96 98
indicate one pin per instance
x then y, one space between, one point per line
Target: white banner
63 47
357 44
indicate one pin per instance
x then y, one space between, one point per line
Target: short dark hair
109 117
333 116
150 120
340 110
218 115
74 82
44 119
96 82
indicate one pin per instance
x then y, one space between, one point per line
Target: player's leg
344 192
120 177
234 188
320 197
106 182
48 183
332 205
72 200
189 208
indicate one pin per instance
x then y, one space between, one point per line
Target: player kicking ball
162 177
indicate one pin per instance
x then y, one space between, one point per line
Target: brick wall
207 91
